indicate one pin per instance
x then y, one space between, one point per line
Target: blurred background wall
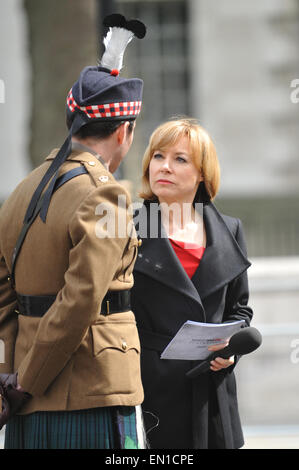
234 66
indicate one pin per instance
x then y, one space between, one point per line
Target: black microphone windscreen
245 341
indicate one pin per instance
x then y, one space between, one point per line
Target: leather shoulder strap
26 226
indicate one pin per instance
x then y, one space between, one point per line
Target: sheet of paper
193 339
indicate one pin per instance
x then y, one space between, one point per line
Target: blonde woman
191 266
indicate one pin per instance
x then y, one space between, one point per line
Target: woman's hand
219 363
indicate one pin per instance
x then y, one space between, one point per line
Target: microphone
243 342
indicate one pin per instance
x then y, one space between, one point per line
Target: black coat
183 413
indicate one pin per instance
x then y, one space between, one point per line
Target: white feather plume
115 41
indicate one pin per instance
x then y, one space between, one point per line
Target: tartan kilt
112 427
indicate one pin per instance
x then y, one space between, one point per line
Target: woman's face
173 176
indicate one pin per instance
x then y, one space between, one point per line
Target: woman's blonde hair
202 148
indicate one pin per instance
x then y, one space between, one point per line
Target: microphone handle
204 366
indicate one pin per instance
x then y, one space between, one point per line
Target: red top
189 255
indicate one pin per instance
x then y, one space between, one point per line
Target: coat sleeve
93 263
236 305
237 296
8 319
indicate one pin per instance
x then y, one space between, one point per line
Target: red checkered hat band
126 108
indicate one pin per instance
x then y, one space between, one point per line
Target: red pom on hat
114 72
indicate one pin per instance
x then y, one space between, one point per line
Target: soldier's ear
121 132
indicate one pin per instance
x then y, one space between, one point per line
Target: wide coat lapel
223 259
157 259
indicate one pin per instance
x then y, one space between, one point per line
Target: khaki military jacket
73 357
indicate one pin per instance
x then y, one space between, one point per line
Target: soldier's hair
99 129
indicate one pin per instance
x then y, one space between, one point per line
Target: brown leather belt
37 305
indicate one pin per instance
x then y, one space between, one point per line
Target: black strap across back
26 226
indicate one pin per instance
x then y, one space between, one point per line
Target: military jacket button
124 345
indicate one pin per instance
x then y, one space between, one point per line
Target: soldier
71 343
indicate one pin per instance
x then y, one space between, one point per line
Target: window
161 59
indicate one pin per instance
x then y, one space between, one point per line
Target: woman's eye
157 155
181 159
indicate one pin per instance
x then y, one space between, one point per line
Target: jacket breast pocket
116 358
